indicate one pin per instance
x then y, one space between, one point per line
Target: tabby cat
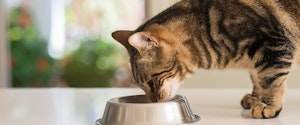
262 36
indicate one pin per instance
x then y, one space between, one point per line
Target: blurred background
67 43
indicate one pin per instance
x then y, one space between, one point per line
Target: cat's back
243 18
280 14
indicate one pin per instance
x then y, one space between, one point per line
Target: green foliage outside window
94 64
31 65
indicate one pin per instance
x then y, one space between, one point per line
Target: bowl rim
176 98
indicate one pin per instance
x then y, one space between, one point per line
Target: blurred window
68 42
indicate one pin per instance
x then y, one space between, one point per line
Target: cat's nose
157 98
154 99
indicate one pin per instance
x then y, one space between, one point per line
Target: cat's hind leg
267 96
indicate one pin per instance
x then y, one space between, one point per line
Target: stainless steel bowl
138 110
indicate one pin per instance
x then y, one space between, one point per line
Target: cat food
138 110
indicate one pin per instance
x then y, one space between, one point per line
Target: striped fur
261 36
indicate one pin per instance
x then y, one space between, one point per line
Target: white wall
217 79
232 79
155 6
4 77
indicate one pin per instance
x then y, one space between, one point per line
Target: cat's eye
148 39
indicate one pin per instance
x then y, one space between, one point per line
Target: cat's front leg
267 97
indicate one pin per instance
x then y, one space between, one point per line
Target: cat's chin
173 87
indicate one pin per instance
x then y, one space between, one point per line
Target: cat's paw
259 109
248 101
264 111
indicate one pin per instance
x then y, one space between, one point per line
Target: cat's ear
122 37
141 40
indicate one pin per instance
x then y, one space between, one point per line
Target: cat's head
155 61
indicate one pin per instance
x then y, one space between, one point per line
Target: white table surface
66 106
